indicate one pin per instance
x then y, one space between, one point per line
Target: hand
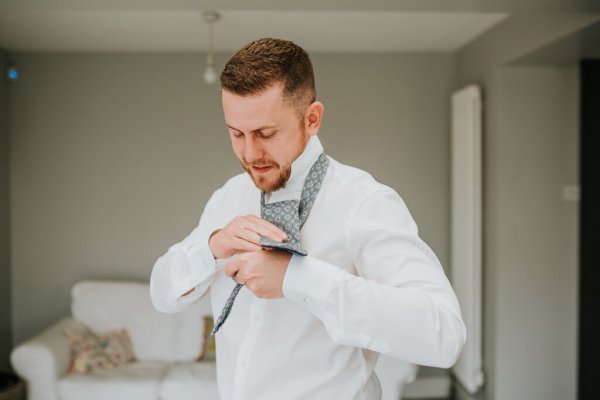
242 234
261 271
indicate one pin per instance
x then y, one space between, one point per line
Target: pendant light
210 73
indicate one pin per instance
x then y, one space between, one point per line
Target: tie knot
290 215
284 215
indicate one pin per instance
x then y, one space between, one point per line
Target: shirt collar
302 164
300 168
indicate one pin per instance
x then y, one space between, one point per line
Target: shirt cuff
309 281
200 264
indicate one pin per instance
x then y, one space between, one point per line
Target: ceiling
105 29
569 50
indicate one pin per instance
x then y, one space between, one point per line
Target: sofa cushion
138 380
190 380
108 305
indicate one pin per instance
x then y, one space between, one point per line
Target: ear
313 117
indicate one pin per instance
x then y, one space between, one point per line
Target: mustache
260 163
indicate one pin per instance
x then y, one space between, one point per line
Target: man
305 326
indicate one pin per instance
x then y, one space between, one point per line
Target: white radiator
466 239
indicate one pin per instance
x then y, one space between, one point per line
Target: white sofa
165 345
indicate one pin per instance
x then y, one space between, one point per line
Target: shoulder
240 181
369 203
362 193
234 187
354 183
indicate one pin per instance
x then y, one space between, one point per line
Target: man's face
266 135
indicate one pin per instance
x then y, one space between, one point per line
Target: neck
299 169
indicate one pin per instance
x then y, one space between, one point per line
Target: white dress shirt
369 285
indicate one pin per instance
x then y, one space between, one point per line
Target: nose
252 149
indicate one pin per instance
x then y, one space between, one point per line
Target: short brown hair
267 61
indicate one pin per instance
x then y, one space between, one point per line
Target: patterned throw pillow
91 353
117 345
86 353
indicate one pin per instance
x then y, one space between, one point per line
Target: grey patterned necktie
289 216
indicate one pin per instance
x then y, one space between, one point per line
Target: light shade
210 74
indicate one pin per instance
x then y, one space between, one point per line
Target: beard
267 183
282 173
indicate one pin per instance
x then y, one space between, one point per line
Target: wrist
209 243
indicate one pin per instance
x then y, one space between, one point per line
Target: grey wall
5 288
530 244
533 232
113 157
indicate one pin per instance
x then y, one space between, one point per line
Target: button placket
257 310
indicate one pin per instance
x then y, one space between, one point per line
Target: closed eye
266 135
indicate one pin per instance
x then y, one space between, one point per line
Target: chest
324 233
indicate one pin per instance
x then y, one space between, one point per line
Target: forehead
252 111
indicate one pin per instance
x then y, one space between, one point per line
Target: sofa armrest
43 359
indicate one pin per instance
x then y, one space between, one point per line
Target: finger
265 228
249 234
266 225
243 245
239 280
231 268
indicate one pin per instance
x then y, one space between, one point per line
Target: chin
267 186
271 183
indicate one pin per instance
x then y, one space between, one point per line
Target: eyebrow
262 128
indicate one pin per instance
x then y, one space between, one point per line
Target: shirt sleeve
400 304
186 265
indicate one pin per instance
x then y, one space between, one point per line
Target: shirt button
244 363
257 318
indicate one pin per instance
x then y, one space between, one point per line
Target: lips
261 169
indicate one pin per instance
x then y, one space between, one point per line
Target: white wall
113 157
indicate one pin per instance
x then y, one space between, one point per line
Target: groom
305 326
